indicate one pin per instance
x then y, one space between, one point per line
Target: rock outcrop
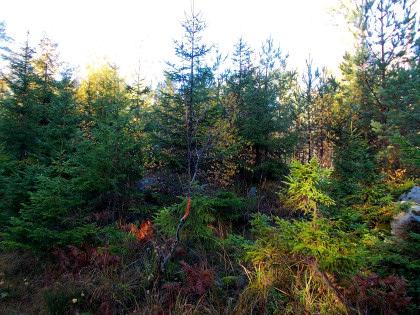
408 221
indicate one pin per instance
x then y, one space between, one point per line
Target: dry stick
331 286
181 223
184 218
191 130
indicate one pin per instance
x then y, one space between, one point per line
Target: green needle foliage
294 178
305 187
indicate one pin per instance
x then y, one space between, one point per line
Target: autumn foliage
198 280
372 293
143 233
73 259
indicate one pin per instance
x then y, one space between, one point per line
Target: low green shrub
206 211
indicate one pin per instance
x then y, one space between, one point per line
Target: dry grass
290 286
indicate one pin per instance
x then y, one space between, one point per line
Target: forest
237 185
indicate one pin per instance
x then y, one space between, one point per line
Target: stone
413 195
252 192
403 223
146 183
415 210
408 221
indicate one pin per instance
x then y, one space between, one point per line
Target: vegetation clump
240 187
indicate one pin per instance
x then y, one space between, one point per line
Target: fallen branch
331 286
167 258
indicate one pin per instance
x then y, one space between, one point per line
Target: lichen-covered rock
404 223
147 183
413 195
408 221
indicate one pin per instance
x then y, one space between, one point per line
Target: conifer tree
261 100
4 40
386 35
110 157
377 90
239 81
306 183
189 101
316 114
20 133
354 166
19 129
167 123
193 82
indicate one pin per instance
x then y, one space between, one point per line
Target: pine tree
310 84
316 114
386 34
403 116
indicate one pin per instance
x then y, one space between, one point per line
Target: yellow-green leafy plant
305 187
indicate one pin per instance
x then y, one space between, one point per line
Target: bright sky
126 31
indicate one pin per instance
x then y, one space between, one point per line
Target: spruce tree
20 133
187 104
261 102
110 157
20 128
